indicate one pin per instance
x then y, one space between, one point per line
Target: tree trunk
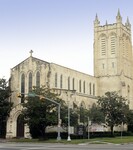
2 129
112 132
42 131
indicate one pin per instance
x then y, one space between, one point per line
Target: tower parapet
118 25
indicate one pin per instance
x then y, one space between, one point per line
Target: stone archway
20 127
15 125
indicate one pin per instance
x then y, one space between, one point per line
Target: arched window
84 86
30 82
113 44
90 88
80 86
68 83
61 81
22 87
127 47
124 45
55 79
38 79
103 45
73 84
93 89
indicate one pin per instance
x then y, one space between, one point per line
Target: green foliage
74 117
5 105
84 114
130 117
96 115
115 109
40 113
64 116
130 120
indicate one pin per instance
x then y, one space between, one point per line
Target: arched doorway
20 126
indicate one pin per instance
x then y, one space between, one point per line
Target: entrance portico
15 124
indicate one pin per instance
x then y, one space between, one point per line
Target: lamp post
68 138
69 123
88 128
121 129
59 123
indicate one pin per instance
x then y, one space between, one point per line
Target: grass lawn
115 140
118 140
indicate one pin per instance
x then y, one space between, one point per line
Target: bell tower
113 60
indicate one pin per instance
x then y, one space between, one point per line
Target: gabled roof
30 58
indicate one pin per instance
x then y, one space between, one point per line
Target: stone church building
113 71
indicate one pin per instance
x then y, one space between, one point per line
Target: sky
58 31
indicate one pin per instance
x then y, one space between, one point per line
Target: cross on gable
31 51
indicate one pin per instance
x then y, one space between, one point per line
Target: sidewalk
3 140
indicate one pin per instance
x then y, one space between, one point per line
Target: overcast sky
58 31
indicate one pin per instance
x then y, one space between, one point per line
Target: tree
5 105
40 113
115 109
130 120
64 116
96 115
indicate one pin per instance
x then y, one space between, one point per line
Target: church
113 71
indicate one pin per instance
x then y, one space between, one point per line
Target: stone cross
31 51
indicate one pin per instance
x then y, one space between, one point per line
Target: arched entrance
20 126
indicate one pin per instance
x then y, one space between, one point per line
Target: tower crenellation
118 25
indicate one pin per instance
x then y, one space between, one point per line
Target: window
61 78
93 89
124 44
73 84
103 45
84 86
90 88
68 83
55 79
127 47
22 87
79 85
30 82
38 79
113 44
